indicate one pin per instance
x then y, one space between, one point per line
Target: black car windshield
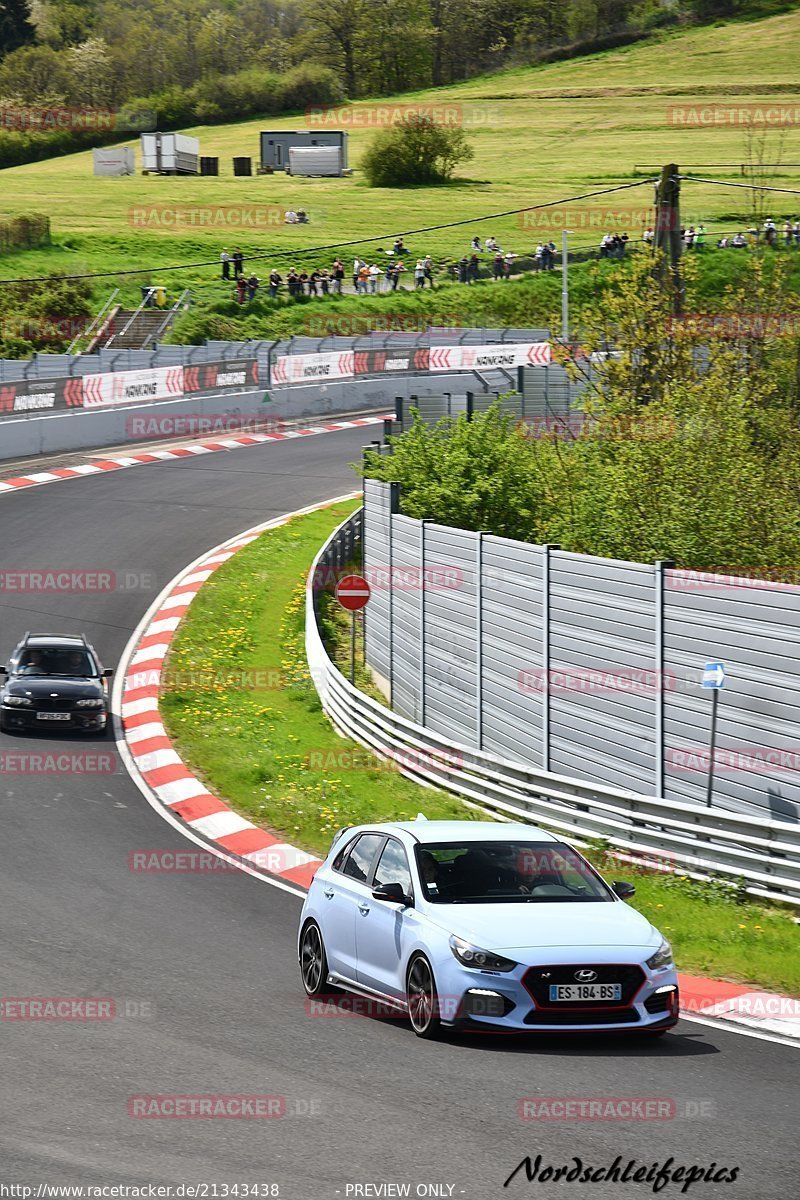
75 664
503 872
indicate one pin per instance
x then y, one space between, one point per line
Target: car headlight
18 701
480 960
662 957
89 703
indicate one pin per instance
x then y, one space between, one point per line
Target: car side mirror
109 671
3 670
393 892
622 889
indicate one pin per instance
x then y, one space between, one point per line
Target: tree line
192 62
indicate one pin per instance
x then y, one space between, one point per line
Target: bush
417 150
308 86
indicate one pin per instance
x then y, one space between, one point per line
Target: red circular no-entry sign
352 592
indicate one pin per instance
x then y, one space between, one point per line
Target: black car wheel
313 960
423 1000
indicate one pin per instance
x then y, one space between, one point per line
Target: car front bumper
504 1002
80 720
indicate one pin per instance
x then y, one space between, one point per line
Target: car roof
67 641
472 831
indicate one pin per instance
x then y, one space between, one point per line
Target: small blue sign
714 675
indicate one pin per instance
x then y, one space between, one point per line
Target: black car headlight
89 703
661 958
481 960
18 701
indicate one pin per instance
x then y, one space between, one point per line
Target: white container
116 160
315 160
170 153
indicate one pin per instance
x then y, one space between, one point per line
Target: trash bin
209 166
147 296
243 166
160 297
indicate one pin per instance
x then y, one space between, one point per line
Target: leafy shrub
416 150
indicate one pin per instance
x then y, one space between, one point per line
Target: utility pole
668 238
564 288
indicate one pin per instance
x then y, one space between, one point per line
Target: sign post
353 593
713 677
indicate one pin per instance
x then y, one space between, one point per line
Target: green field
540 134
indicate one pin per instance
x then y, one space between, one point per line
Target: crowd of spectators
383 273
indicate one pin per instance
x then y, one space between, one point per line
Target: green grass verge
271 752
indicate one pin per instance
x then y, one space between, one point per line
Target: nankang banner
39 395
306 368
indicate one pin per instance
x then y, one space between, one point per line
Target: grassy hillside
540 134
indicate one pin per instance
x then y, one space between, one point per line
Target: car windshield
504 872
75 664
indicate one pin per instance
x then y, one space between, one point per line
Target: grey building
275 144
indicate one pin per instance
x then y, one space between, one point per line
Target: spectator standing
551 254
292 282
363 278
797 233
648 237
787 233
508 263
497 266
275 281
238 263
375 273
324 281
337 273
472 270
770 231
302 280
313 280
241 289
463 268
427 263
253 284
356 269
688 238
225 259
700 238
419 274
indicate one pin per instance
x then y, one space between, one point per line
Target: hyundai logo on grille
586 975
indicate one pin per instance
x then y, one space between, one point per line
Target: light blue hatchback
482 926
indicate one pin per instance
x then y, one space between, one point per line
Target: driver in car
33 664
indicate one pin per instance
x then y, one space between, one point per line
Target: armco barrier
697 841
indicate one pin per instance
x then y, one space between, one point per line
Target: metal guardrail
86 335
680 837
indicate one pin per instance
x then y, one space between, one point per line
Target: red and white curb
98 466
148 751
715 1002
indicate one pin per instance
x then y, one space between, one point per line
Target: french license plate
51 716
585 991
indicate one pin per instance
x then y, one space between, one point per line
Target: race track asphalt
202 966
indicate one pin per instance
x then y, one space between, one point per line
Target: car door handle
328 893
363 909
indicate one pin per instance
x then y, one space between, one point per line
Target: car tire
313 960
423 999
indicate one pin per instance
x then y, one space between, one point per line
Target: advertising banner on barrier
222 376
297 368
375 362
305 368
126 387
39 395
